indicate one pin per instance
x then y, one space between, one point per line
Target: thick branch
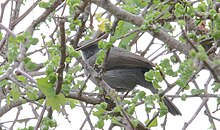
138 21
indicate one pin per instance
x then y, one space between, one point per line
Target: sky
76 115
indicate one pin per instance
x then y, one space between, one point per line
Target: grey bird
124 70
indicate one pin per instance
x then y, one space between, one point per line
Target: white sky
77 116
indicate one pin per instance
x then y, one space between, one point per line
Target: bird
123 71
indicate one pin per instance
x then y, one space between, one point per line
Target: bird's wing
121 58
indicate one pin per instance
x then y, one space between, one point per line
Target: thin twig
81 128
62 56
16 21
84 85
40 117
87 117
186 124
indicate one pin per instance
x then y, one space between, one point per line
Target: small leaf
197 91
216 34
153 123
0 36
115 120
218 100
183 97
163 109
21 78
117 109
141 94
134 122
44 5
46 87
131 110
100 124
15 93
73 103
103 105
33 41
31 93
20 38
56 101
3 83
100 57
216 87
149 76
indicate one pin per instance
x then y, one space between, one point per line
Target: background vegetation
41 70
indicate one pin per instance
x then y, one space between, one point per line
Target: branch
43 16
40 117
62 56
186 124
87 116
4 109
110 91
30 29
73 95
16 21
3 9
7 30
138 21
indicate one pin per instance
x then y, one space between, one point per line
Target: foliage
40 66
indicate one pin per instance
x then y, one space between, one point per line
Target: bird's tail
171 107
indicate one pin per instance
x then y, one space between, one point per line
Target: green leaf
218 100
33 41
212 13
182 23
100 57
163 109
31 65
20 38
122 29
15 93
46 87
52 123
216 87
0 35
116 120
21 78
202 7
192 53
72 52
179 10
216 34
13 48
117 109
183 97
141 95
3 83
149 76
191 11
103 105
31 93
156 85
197 91
134 122
75 69
56 101
44 5
131 110
149 104
100 124
153 123
73 103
